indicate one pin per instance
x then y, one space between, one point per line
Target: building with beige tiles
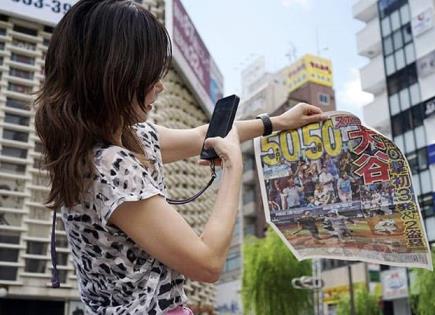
25 266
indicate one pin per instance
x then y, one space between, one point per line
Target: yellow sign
332 295
309 69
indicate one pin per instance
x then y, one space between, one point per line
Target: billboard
339 190
309 68
48 12
192 57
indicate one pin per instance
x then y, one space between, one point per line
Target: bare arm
157 227
178 144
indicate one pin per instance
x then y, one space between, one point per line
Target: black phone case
221 123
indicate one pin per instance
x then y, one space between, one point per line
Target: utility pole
352 300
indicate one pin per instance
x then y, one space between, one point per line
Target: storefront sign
44 11
309 69
426 65
192 57
422 22
394 284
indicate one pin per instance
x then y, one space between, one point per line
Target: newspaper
338 189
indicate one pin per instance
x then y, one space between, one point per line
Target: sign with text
426 65
43 11
422 22
309 69
394 284
192 56
339 190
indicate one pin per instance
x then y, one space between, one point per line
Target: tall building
25 268
398 39
309 80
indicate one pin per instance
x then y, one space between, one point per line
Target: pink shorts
180 310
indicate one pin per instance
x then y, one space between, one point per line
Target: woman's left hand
300 115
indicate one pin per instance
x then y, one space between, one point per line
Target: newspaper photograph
340 190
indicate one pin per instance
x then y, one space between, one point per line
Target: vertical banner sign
340 190
44 11
192 57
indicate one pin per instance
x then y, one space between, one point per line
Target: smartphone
221 123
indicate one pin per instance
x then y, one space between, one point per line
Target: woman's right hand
228 150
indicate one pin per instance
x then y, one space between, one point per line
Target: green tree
365 303
269 267
423 291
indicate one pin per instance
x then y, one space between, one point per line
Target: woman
131 249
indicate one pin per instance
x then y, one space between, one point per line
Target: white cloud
351 96
303 3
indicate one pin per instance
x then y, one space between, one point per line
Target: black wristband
267 124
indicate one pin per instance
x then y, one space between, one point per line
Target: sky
238 31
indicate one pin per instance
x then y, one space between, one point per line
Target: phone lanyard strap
55 282
184 201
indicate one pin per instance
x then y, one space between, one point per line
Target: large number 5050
288 144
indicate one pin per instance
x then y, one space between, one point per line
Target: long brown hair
104 55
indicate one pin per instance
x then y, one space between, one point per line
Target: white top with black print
115 275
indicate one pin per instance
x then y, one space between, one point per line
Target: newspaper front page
340 190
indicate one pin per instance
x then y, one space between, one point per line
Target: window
389 63
394 104
400 59
426 182
422 159
40 148
14 152
13 103
2 31
48 29
397 39
23 44
34 265
420 137
388 45
409 53
395 20
12 168
404 99
15 135
386 28
409 141
17 119
19 88
418 114
9 254
407 33
62 259
2 46
25 30
22 59
399 142
21 73
416 184
9 237
8 273
415 93
324 99
404 14
36 248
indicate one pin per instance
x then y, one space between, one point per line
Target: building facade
398 38
25 267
